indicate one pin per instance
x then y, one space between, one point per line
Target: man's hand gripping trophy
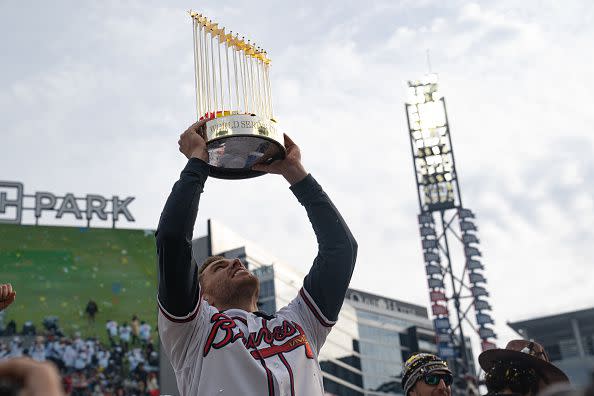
192 143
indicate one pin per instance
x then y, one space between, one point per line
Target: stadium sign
12 205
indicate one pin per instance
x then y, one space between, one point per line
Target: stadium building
373 336
568 338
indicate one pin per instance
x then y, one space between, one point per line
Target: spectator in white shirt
112 330
103 358
4 352
69 356
16 347
125 334
145 332
38 351
81 359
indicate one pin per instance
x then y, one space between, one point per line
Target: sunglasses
433 379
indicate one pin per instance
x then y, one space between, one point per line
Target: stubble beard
236 292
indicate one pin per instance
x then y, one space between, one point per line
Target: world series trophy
233 93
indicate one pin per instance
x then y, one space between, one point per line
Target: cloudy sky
95 94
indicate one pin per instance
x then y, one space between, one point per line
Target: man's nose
441 384
236 262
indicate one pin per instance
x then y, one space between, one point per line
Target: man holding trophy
216 340
209 324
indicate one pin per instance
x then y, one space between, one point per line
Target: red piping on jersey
288 366
177 319
313 309
268 374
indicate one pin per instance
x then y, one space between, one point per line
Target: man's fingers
38 378
17 368
268 168
7 299
197 126
4 303
5 290
260 168
14 368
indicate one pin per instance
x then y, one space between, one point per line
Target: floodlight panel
414 96
438 192
432 114
414 117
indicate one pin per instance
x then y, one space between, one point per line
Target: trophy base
234 156
235 143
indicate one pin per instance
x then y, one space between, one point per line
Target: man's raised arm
329 277
178 281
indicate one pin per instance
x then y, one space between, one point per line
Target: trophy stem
263 88
251 84
256 110
269 92
214 79
236 82
240 65
196 72
259 86
207 66
221 76
228 75
245 83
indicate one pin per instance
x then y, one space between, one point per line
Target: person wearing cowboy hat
523 367
425 374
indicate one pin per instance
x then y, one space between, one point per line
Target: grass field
57 270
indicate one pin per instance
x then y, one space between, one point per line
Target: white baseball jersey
112 327
125 332
241 353
145 332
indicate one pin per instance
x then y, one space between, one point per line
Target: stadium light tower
453 289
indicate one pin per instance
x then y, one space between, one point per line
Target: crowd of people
87 366
127 364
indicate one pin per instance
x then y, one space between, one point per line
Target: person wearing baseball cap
425 374
523 368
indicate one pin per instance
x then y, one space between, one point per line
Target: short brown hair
207 262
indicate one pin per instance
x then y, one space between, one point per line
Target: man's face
226 281
422 389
